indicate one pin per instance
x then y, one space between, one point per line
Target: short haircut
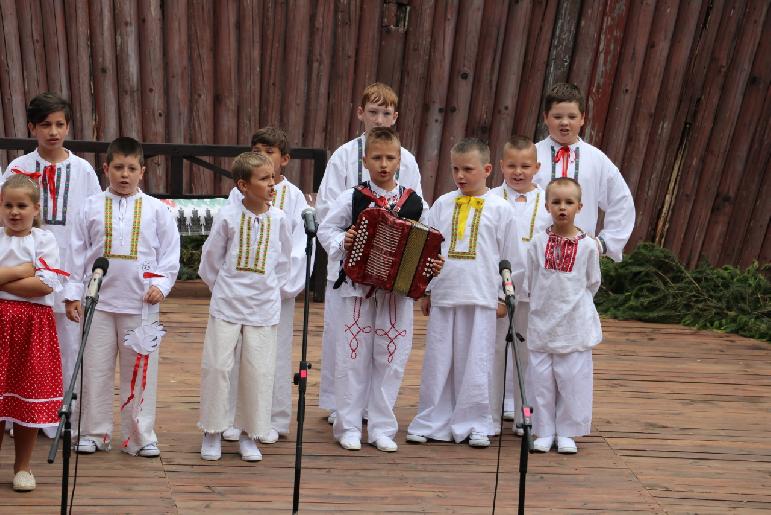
46 103
563 181
246 162
272 137
127 147
467 145
21 181
381 134
517 142
564 92
380 94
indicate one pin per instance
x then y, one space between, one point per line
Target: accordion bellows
392 253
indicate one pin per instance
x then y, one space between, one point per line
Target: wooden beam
177 56
127 60
105 72
31 36
225 84
346 27
586 43
365 70
55 44
202 87
11 83
273 40
392 41
249 68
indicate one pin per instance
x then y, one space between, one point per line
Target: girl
30 364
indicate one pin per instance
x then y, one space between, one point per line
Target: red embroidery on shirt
561 252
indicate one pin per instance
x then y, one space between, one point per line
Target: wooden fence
677 90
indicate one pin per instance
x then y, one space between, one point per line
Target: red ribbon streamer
134 379
32 175
563 154
54 270
150 275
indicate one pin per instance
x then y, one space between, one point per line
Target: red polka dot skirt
30 365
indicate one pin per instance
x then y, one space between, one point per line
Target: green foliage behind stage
652 286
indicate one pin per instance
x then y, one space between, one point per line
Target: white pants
332 308
560 387
255 376
68 333
374 343
104 345
281 409
455 382
513 399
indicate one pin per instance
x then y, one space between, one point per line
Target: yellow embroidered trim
243 261
471 253
532 218
135 227
283 198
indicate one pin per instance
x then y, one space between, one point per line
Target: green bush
190 257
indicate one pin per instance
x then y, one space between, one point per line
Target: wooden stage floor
682 424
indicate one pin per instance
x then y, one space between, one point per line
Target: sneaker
478 440
332 417
24 481
518 431
271 437
543 444
248 449
415 438
150 450
508 415
385 444
231 434
566 445
85 446
351 441
211 447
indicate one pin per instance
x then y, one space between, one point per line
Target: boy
66 181
345 170
568 155
245 262
370 362
288 198
519 165
138 234
480 230
563 274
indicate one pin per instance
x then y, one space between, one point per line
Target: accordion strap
365 190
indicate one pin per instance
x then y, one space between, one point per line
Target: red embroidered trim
354 342
391 344
561 252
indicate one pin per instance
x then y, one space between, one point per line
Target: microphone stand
65 412
301 377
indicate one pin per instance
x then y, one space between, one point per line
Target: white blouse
39 248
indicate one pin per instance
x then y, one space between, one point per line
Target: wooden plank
12 91
462 79
392 40
177 51
586 43
153 87
201 88
414 78
32 48
625 87
442 41
55 44
225 84
104 69
365 70
273 40
346 26
127 60
509 78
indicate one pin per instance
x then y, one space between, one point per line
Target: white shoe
50 432
150 450
85 446
508 415
518 431
478 440
543 444
331 417
211 447
248 449
24 481
231 434
385 444
351 441
415 438
566 445
271 437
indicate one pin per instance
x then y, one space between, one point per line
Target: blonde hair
563 181
468 145
384 134
380 94
20 181
245 163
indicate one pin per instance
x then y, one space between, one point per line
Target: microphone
309 219
504 268
99 270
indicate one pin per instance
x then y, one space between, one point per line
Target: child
570 156
370 363
480 230
66 181
563 274
288 198
30 364
138 234
245 262
519 165
345 169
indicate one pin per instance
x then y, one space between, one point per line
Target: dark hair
272 137
125 146
562 181
384 134
517 142
467 145
564 92
46 103
246 162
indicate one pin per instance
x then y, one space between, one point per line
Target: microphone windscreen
103 263
504 265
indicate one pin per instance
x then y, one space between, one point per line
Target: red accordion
392 253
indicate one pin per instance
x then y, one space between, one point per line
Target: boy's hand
500 311
73 310
436 265
350 234
154 295
425 305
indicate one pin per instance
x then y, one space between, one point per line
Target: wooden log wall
677 90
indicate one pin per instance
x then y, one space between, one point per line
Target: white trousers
281 408
255 377
69 343
513 399
104 345
560 389
455 382
332 308
374 343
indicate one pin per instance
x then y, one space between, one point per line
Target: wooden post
32 48
249 68
365 69
586 42
55 43
346 28
225 81
105 80
175 23
12 83
392 39
202 88
273 35
127 52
